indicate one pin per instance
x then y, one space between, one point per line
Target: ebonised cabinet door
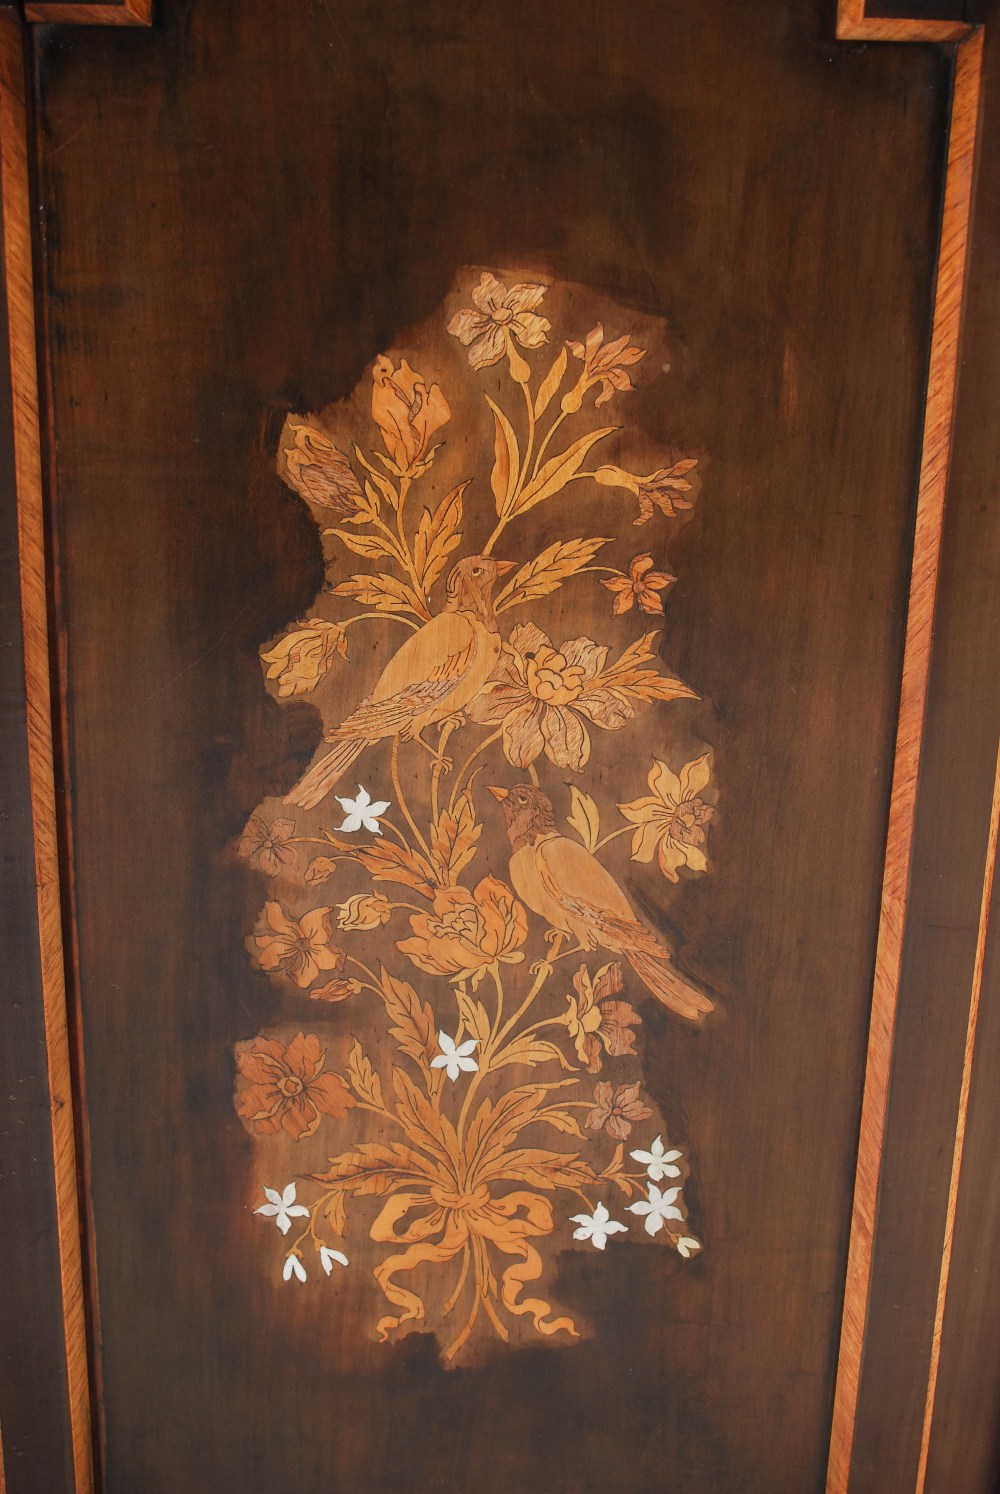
513 828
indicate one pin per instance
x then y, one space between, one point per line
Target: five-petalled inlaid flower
596 1227
282 1208
455 1058
657 1208
297 947
642 585
268 846
659 1164
362 813
288 1088
500 314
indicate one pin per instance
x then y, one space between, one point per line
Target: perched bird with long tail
436 672
565 884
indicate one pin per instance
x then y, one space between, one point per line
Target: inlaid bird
436 672
565 884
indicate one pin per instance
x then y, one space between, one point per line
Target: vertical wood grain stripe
963 1111
854 25
14 193
126 13
913 695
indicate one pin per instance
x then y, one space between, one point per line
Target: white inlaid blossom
596 1227
687 1246
455 1060
328 1256
362 812
658 1208
658 1163
282 1208
293 1267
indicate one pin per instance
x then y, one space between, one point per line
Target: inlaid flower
616 1108
287 1088
596 1227
498 315
305 655
455 1058
268 846
545 697
596 1021
467 932
407 411
366 910
688 1246
659 1163
282 1208
311 464
293 1267
327 1256
642 585
670 822
338 989
665 489
362 813
604 364
296 947
657 1207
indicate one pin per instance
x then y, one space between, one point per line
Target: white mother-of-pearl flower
596 1227
364 811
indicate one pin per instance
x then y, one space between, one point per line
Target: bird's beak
503 566
498 793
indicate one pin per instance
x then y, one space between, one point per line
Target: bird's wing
578 882
442 663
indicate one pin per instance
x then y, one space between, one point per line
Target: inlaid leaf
532 1051
550 383
506 459
336 1214
371 546
374 1167
584 817
547 571
558 470
437 536
367 1084
383 593
425 1125
412 1019
454 838
388 862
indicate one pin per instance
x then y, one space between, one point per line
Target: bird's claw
541 968
552 935
442 765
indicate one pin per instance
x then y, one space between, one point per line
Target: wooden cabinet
591 405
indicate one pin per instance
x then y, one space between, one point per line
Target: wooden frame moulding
854 25
17 268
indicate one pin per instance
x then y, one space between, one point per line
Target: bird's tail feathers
669 986
322 776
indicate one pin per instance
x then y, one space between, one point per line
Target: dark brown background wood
256 207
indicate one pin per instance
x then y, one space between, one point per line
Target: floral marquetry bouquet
449 916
